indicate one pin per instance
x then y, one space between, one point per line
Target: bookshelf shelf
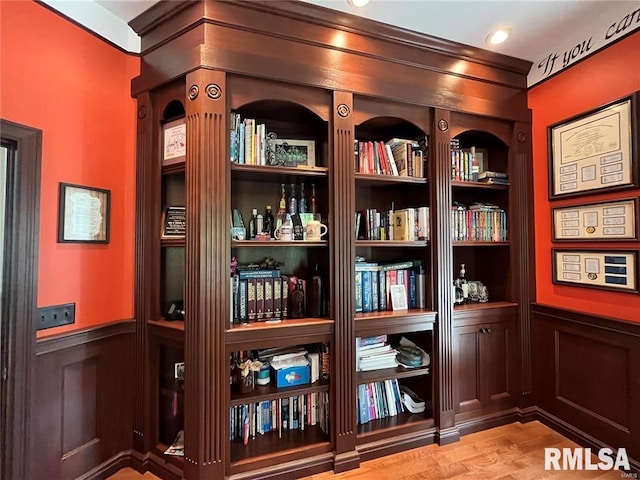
418 421
394 322
173 460
289 445
286 332
271 392
390 373
369 180
174 168
268 173
474 243
173 242
480 185
391 243
277 243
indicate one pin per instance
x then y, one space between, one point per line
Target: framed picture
398 297
595 151
602 269
293 153
174 141
606 221
174 222
83 214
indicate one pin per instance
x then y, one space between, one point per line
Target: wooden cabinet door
467 368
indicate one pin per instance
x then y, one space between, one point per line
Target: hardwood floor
510 452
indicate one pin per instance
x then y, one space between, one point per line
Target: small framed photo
293 153
398 297
178 371
83 214
174 141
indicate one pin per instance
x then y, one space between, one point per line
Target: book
489 174
401 226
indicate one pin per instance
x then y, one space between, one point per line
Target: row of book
248 141
465 165
373 283
481 222
407 224
399 157
259 295
296 412
379 400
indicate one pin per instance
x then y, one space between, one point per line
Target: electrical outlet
56 315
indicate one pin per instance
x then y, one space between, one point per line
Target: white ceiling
540 27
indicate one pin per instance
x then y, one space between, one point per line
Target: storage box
288 377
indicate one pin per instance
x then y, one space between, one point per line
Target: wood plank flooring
510 452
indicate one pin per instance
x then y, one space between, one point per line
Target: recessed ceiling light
499 35
357 3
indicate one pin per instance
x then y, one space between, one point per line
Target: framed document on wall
606 221
595 151
602 269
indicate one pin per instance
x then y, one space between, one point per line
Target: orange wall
75 88
605 76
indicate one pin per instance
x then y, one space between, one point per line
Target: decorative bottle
302 203
316 301
293 201
296 301
282 207
314 207
253 223
269 222
461 283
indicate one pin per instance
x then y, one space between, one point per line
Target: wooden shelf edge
396 314
277 243
386 179
172 241
274 393
491 186
472 307
474 243
169 324
391 373
276 170
391 243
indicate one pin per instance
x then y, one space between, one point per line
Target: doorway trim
19 304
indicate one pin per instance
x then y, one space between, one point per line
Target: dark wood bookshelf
481 185
256 335
290 443
172 241
403 420
372 180
269 173
390 373
277 243
390 322
476 243
271 392
178 167
391 243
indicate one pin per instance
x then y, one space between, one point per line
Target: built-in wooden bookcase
343 82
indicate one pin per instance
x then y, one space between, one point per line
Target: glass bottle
302 203
282 207
253 223
297 301
462 283
475 165
314 207
269 222
316 301
293 201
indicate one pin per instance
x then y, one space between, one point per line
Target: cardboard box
288 377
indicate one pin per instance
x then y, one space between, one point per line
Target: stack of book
398 157
480 222
259 295
493 178
374 353
373 282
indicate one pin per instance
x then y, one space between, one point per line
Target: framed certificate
596 151
607 221
174 142
603 269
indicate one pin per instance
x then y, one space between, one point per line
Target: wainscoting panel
587 374
82 414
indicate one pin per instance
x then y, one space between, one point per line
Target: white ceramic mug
315 230
284 233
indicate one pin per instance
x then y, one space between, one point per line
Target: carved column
522 251
147 268
441 245
206 274
342 195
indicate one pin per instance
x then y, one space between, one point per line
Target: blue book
382 290
362 402
367 293
413 300
358 291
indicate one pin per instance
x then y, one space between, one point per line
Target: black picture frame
583 277
616 169
83 214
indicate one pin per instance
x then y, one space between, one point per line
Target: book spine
242 301
367 297
246 274
382 290
268 298
277 298
260 299
251 299
413 301
285 296
358 290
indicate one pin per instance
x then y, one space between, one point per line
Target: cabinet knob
485 330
